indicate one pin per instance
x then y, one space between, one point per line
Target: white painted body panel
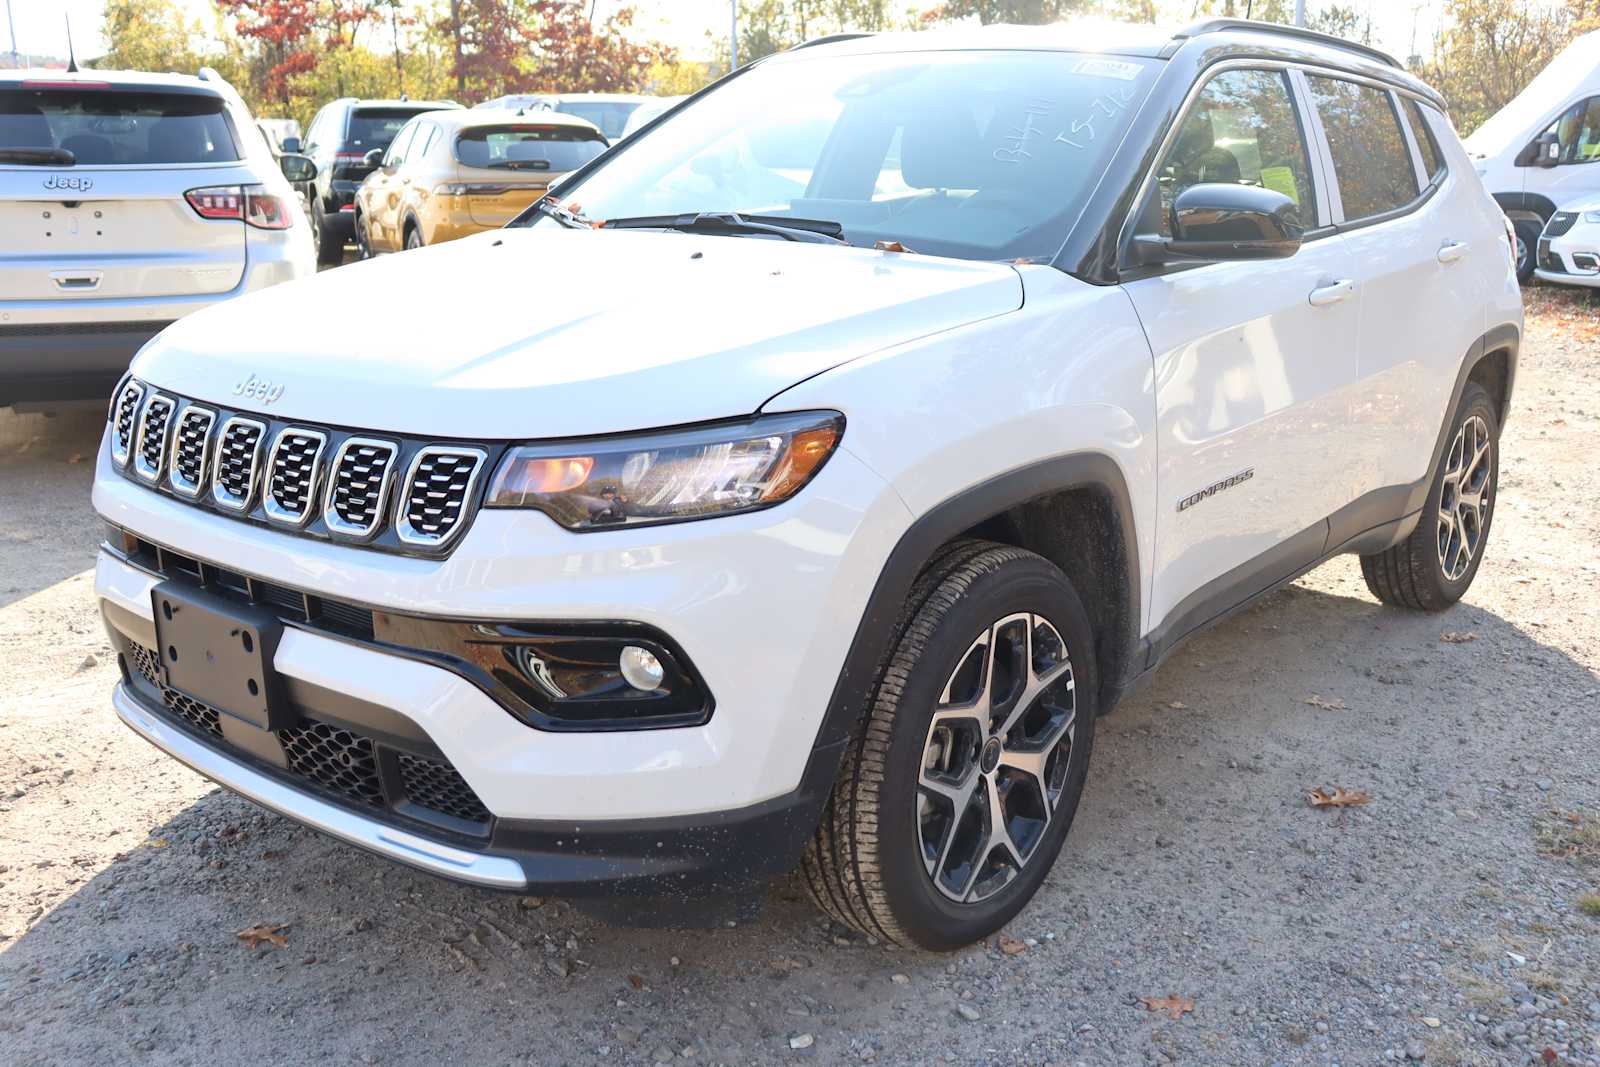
1249 376
560 333
1582 239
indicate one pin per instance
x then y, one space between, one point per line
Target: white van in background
1535 153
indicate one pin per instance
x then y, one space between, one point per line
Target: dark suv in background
338 139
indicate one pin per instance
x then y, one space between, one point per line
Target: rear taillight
349 157
251 204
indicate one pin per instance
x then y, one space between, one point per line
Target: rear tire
985 706
330 250
413 237
363 238
1432 568
1527 247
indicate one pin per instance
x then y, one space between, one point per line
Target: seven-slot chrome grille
389 493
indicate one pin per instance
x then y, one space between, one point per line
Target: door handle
1332 293
1451 251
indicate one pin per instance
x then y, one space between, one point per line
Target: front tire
1528 233
1432 569
952 805
363 237
413 237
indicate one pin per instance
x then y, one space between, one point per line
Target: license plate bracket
220 653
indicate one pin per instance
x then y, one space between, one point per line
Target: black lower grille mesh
438 786
337 759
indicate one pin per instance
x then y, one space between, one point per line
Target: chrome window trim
183 489
220 495
146 472
402 525
121 456
276 512
330 516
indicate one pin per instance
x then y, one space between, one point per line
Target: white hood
556 333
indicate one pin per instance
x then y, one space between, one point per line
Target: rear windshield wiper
38 157
519 164
821 231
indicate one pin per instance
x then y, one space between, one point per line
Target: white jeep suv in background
916 398
128 201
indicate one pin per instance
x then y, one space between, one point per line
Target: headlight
671 475
1591 216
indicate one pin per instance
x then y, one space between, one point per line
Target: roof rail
1195 29
832 38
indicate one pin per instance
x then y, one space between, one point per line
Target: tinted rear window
610 115
1370 157
375 127
110 127
527 146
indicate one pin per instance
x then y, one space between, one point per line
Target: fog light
641 669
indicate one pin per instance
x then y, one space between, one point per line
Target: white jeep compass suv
802 485
128 201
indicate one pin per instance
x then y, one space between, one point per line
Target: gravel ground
1443 922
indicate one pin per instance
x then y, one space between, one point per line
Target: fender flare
877 627
1529 207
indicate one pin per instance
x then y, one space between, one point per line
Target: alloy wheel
995 760
1464 498
1523 252
363 239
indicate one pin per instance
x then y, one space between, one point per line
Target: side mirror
1225 222
297 168
290 144
1549 154
374 158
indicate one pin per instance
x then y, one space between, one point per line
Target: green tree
1488 50
149 35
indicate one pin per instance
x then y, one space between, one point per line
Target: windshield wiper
819 231
38 157
570 219
519 164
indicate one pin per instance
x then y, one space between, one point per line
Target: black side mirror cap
1219 221
297 168
374 158
1549 154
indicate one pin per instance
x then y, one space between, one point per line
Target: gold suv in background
448 174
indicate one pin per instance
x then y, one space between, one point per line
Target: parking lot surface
1455 919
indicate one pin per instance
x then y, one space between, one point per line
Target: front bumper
1571 258
764 605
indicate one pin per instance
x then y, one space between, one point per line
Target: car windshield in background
375 127
528 147
610 115
972 154
114 127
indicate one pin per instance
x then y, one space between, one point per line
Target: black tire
1414 574
413 237
363 238
1528 233
330 249
866 865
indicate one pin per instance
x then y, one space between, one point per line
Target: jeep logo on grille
66 181
258 389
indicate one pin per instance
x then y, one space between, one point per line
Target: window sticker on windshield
1107 68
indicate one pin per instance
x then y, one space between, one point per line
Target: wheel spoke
960 799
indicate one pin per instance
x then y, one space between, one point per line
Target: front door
1254 363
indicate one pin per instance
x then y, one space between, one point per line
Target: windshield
610 115
972 154
529 147
115 127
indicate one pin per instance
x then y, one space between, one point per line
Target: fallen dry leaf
1011 946
1452 637
1331 704
1178 705
1339 798
270 932
1173 1006
76 457
637 981
1548 1055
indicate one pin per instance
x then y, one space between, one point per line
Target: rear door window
112 127
1432 158
375 127
1241 130
528 146
1370 158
